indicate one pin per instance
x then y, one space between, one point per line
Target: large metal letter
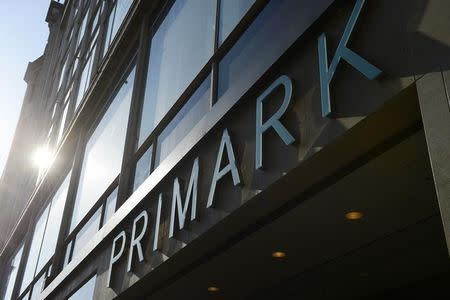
274 121
342 52
225 143
157 223
115 258
136 240
177 205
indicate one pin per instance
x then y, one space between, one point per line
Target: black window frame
100 203
210 68
46 268
125 179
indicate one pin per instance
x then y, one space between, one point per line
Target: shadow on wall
404 38
408 37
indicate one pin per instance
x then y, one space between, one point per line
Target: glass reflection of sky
104 151
180 48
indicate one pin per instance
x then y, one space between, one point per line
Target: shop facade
241 150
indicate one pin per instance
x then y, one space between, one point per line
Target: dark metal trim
112 45
58 259
30 233
210 120
127 169
83 282
206 69
101 201
63 146
23 263
36 277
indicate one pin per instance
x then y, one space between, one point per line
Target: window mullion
214 63
48 208
23 262
129 160
58 258
216 27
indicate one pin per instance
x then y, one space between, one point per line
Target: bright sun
43 157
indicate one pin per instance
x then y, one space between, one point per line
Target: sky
23 35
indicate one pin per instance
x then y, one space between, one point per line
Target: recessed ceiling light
213 289
354 215
279 254
363 274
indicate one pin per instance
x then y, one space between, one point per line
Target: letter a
225 144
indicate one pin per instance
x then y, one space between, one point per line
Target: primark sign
184 205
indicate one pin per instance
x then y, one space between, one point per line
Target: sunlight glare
43 157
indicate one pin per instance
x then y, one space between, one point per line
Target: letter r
136 238
274 120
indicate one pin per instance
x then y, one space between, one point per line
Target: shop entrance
370 229
395 247
396 250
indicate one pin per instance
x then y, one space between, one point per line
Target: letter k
342 52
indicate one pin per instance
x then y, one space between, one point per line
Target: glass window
84 80
38 287
68 94
116 17
82 28
13 267
35 247
191 113
25 296
53 224
91 227
108 35
86 75
181 46
253 54
104 150
86 292
55 108
45 234
143 168
86 233
62 123
63 71
76 61
231 12
110 208
67 254
120 12
97 17
50 131
69 36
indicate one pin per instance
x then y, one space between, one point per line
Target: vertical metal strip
129 160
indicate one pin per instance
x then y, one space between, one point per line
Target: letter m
177 205
342 52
